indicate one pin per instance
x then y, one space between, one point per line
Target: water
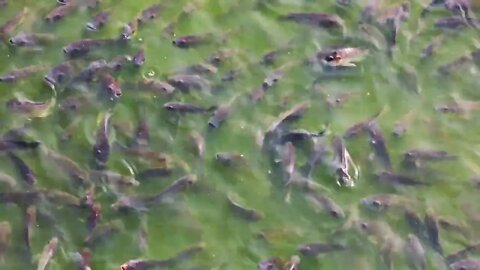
201 214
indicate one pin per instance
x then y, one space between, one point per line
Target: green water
201 214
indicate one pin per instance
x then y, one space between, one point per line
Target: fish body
290 115
128 31
201 69
415 252
181 107
314 249
59 74
101 148
433 231
31 40
113 178
315 19
30 223
273 78
119 62
299 135
273 263
84 46
418 155
12 144
466 264
378 144
248 214
59 12
94 216
288 158
345 57
186 83
397 179
139 58
458 107
5 235
47 254
69 167
342 162
30 108
402 126
156 86
20 74
451 23
229 158
103 232
198 144
319 151
98 21
192 41
220 115
327 203
454 66
24 170
150 13
110 85
12 23
383 202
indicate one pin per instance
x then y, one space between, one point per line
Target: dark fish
291 115
142 203
93 69
377 141
59 12
466 264
59 74
360 127
154 172
84 46
12 144
315 249
458 107
369 11
192 41
128 31
462 254
159 159
415 223
85 260
93 216
299 135
150 13
87 3
110 85
315 19
47 254
274 77
326 203
229 158
98 21
397 179
256 94
119 62
218 58
30 108
103 232
248 214
69 167
270 57
271 264
101 148
171 263
451 23
427 155
475 55
19 198
231 75
3 3
343 161
201 69
288 158
139 58
24 170
142 133
5 235
181 107
432 47
29 225
31 40
8 26
403 124
383 202
156 86
220 115
59 197
407 75
415 252
339 99
20 74
186 83
113 178
454 66
433 232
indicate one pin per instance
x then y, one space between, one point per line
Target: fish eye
376 203
364 225
11 41
329 58
334 213
124 267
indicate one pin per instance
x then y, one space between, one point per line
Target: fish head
270 264
20 40
374 203
14 104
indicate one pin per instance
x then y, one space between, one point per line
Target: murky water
201 214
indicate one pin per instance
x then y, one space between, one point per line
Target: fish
113 178
143 202
110 85
154 172
316 248
361 127
383 202
31 40
141 136
59 12
256 94
128 31
415 223
377 142
20 74
344 57
397 179
407 75
326 203
319 151
249 214
19 198
93 69
339 99
103 232
270 57
198 144
454 66
458 107
275 76
8 180
415 252
156 86
85 46
462 254
432 47
220 114
181 107
433 232
201 69
11 24
47 254
26 173
94 216
160 159
5 235
299 135
451 23
101 148
139 58
220 57
119 62
293 114
144 264
184 82
3 3
418 155
69 167
142 236
342 162
288 157
86 260
403 124
229 158
59 74
14 144
231 75
150 13
29 225
59 197
98 21
466 264
87 3
30 108
192 41
315 19
273 263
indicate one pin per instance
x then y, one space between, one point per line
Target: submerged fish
383 202
98 21
20 74
103 232
314 249
150 13
466 264
113 178
139 58
192 41
30 108
9 25
315 19
111 86
344 57
221 114
377 142
59 74
415 252
292 114
181 107
47 254
101 148
24 170
84 46
128 31
326 203
59 12
5 235
342 163
248 214
397 179
32 40
459 106
433 231
156 86
184 82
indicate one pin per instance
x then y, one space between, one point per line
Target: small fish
159 159
98 21
103 232
248 214
454 66
377 141
31 40
291 115
110 85
339 99
220 57
26 173
59 197
458 107
150 13
30 108
361 127
342 162
451 23
344 57
30 223
192 41
69 167
326 203
256 94
201 69
94 216
231 75
58 75
403 125
59 12
220 115
383 202
139 58
20 74
299 135
13 144
128 31
288 158
101 148
84 46
93 69
271 264
198 144
315 19
418 155
415 252
396 179
407 75
368 13
273 78
8 180
119 62
181 107
10 25
156 86
186 83
432 47
270 57
142 133
47 254
433 232
154 172
113 178
229 158
315 249
5 235
462 254
415 223
466 264
86 260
